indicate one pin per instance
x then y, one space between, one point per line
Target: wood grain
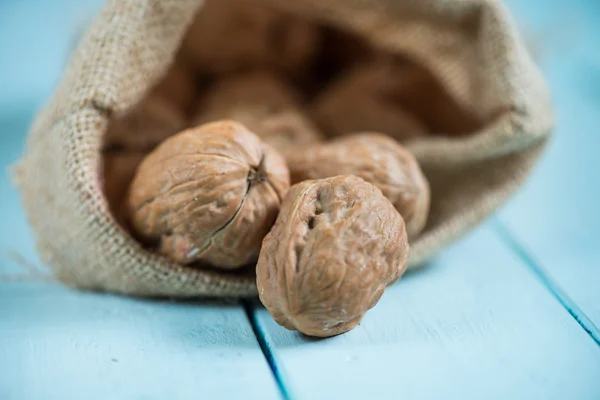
474 324
61 344
56 343
554 221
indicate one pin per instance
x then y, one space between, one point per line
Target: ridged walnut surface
377 159
336 245
209 195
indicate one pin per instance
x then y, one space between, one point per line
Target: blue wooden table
512 311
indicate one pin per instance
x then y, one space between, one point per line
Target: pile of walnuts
242 157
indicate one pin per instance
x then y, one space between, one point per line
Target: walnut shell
144 126
379 160
118 170
208 195
336 244
356 103
288 131
232 35
267 105
393 96
178 86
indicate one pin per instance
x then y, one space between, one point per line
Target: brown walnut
178 86
233 35
129 137
357 102
379 160
394 96
118 170
208 195
143 127
267 105
336 244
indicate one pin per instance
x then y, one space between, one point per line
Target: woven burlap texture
472 47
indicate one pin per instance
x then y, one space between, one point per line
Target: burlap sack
471 46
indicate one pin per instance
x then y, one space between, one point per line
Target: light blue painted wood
488 328
56 343
555 220
475 324
61 344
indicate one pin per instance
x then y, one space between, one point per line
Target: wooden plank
60 344
56 343
474 324
554 221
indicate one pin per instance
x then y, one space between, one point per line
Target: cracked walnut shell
379 160
337 243
208 195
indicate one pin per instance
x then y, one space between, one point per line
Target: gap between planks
508 238
268 349
511 244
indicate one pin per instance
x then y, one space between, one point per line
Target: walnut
379 160
338 51
232 35
118 170
288 131
357 102
178 86
144 126
208 195
336 244
395 96
267 105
